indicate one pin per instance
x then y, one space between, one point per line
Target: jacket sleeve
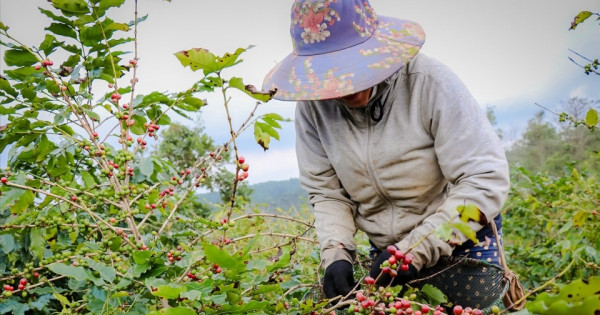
470 156
334 211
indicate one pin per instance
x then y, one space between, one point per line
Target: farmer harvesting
389 141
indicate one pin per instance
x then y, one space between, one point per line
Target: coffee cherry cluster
151 128
397 257
243 166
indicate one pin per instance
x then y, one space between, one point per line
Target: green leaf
138 125
577 297
591 118
469 213
106 4
196 291
62 29
77 273
251 90
66 129
190 103
200 58
180 310
579 18
282 261
19 58
71 6
141 257
62 299
579 218
222 258
13 307
262 136
3 27
25 200
88 179
5 86
118 26
115 243
38 243
41 302
434 295
7 243
146 167
444 232
466 230
107 273
170 291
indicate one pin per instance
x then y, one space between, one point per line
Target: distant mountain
271 195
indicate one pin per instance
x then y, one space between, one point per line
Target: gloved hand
404 274
339 279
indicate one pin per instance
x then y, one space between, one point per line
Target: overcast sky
510 53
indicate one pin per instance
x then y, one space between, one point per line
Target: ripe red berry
218 270
405 304
477 312
36 275
457 310
74 198
404 267
241 160
369 280
23 281
391 249
95 134
115 96
408 258
385 269
7 287
4 180
38 67
360 296
21 287
425 308
392 260
144 247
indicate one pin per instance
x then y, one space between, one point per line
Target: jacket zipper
373 176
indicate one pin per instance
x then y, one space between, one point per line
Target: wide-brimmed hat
341 47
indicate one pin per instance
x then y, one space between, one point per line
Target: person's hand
339 279
405 273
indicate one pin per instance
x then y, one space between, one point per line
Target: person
389 141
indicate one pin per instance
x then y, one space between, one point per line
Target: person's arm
470 156
334 211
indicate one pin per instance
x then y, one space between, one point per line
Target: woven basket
466 282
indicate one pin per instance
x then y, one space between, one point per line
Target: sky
511 54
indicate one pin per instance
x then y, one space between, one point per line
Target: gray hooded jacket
399 178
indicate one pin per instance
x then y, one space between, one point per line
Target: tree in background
180 145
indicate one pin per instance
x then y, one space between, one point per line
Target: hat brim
325 76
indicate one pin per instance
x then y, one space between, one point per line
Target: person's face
358 99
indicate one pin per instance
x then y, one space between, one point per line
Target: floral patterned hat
341 47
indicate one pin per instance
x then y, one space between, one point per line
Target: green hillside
271 195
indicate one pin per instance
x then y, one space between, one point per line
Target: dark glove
401 278
339 279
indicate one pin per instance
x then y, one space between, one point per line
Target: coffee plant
93 221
